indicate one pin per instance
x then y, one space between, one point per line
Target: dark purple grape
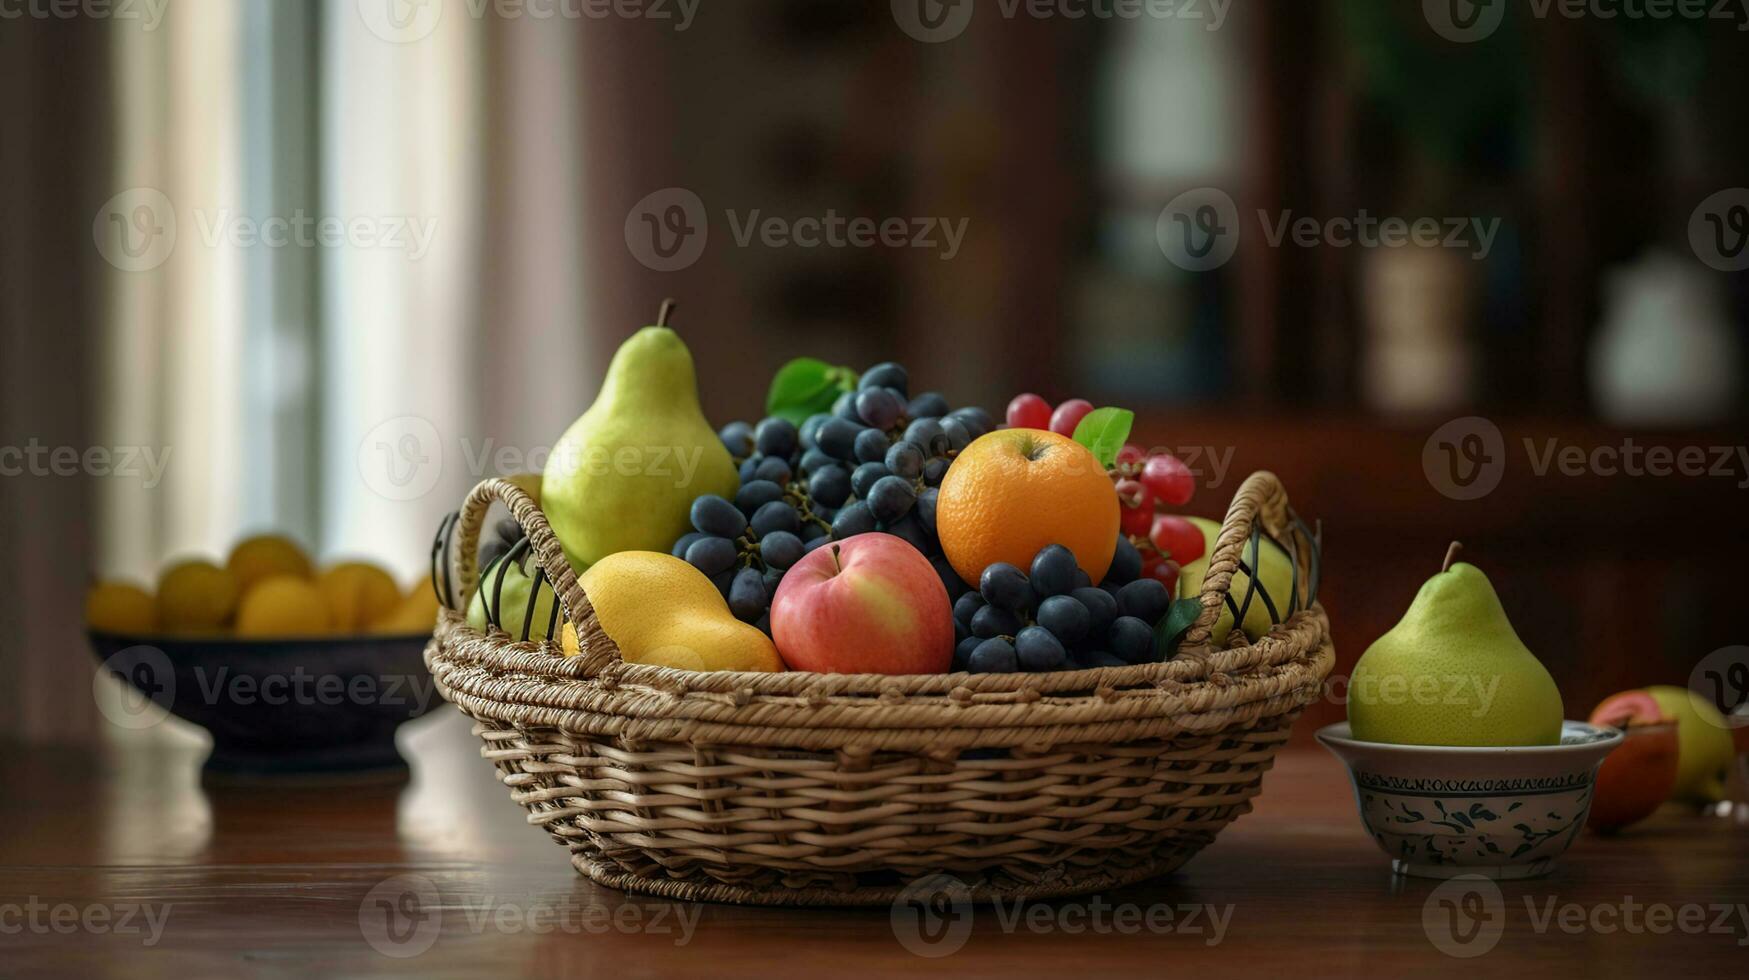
819 542
757 494
776 437
1126 564
747 596
774 576
737 439
773 468
910 530
886 375
830 485
928 405
814 460
994 656
958 437
837 438
962 654
1065 617
717 517
811 428
781 549
724 581
977 421
779 515
879 407
927 434
934 472
1005 586
925 509
854 519
866 476
905 459
491 550
1082 580
1132 640
871 446
995 621
685 542
749 467
967 606
844 407
1101 609
1145 599
812 530
891 498
1053 571
1038 650
712 556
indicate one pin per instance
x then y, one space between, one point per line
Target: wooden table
122 864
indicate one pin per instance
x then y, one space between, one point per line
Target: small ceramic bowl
1500 811
278 707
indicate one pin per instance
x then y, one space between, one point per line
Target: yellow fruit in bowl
121 607
358 594
265 556
417 613
659 610
281 606
196 596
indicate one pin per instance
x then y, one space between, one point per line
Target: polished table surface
120 862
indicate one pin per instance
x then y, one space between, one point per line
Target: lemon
358 594
121 607
196 596
284 605
265 556
417 613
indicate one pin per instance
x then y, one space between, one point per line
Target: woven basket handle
573 601
1260 498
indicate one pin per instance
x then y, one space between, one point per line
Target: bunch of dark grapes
1052 617
880 455
497 541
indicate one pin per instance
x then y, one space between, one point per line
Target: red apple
870 604
1638 776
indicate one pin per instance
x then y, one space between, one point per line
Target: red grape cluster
1147 482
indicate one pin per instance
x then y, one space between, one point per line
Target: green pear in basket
503 599
1276 578
624 476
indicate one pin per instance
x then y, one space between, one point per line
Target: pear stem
668 306
1451 554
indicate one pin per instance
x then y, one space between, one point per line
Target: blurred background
1452 270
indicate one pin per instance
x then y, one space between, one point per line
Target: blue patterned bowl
1500 811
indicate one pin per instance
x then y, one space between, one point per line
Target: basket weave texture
840 789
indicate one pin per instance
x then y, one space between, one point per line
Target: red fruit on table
1029 411
1135 507
1068 415
1177 538
870 604
1169 478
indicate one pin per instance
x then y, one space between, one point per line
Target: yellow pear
660 610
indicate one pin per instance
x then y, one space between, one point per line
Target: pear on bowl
1502 811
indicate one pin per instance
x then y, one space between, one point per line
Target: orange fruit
1014 491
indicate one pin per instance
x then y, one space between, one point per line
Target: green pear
1276 578
1704 748
625 474
1453 672
510 599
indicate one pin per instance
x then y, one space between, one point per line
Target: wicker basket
832 789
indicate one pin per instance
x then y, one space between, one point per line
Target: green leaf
807 386
1179 619
1104 431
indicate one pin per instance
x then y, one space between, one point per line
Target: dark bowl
277 707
